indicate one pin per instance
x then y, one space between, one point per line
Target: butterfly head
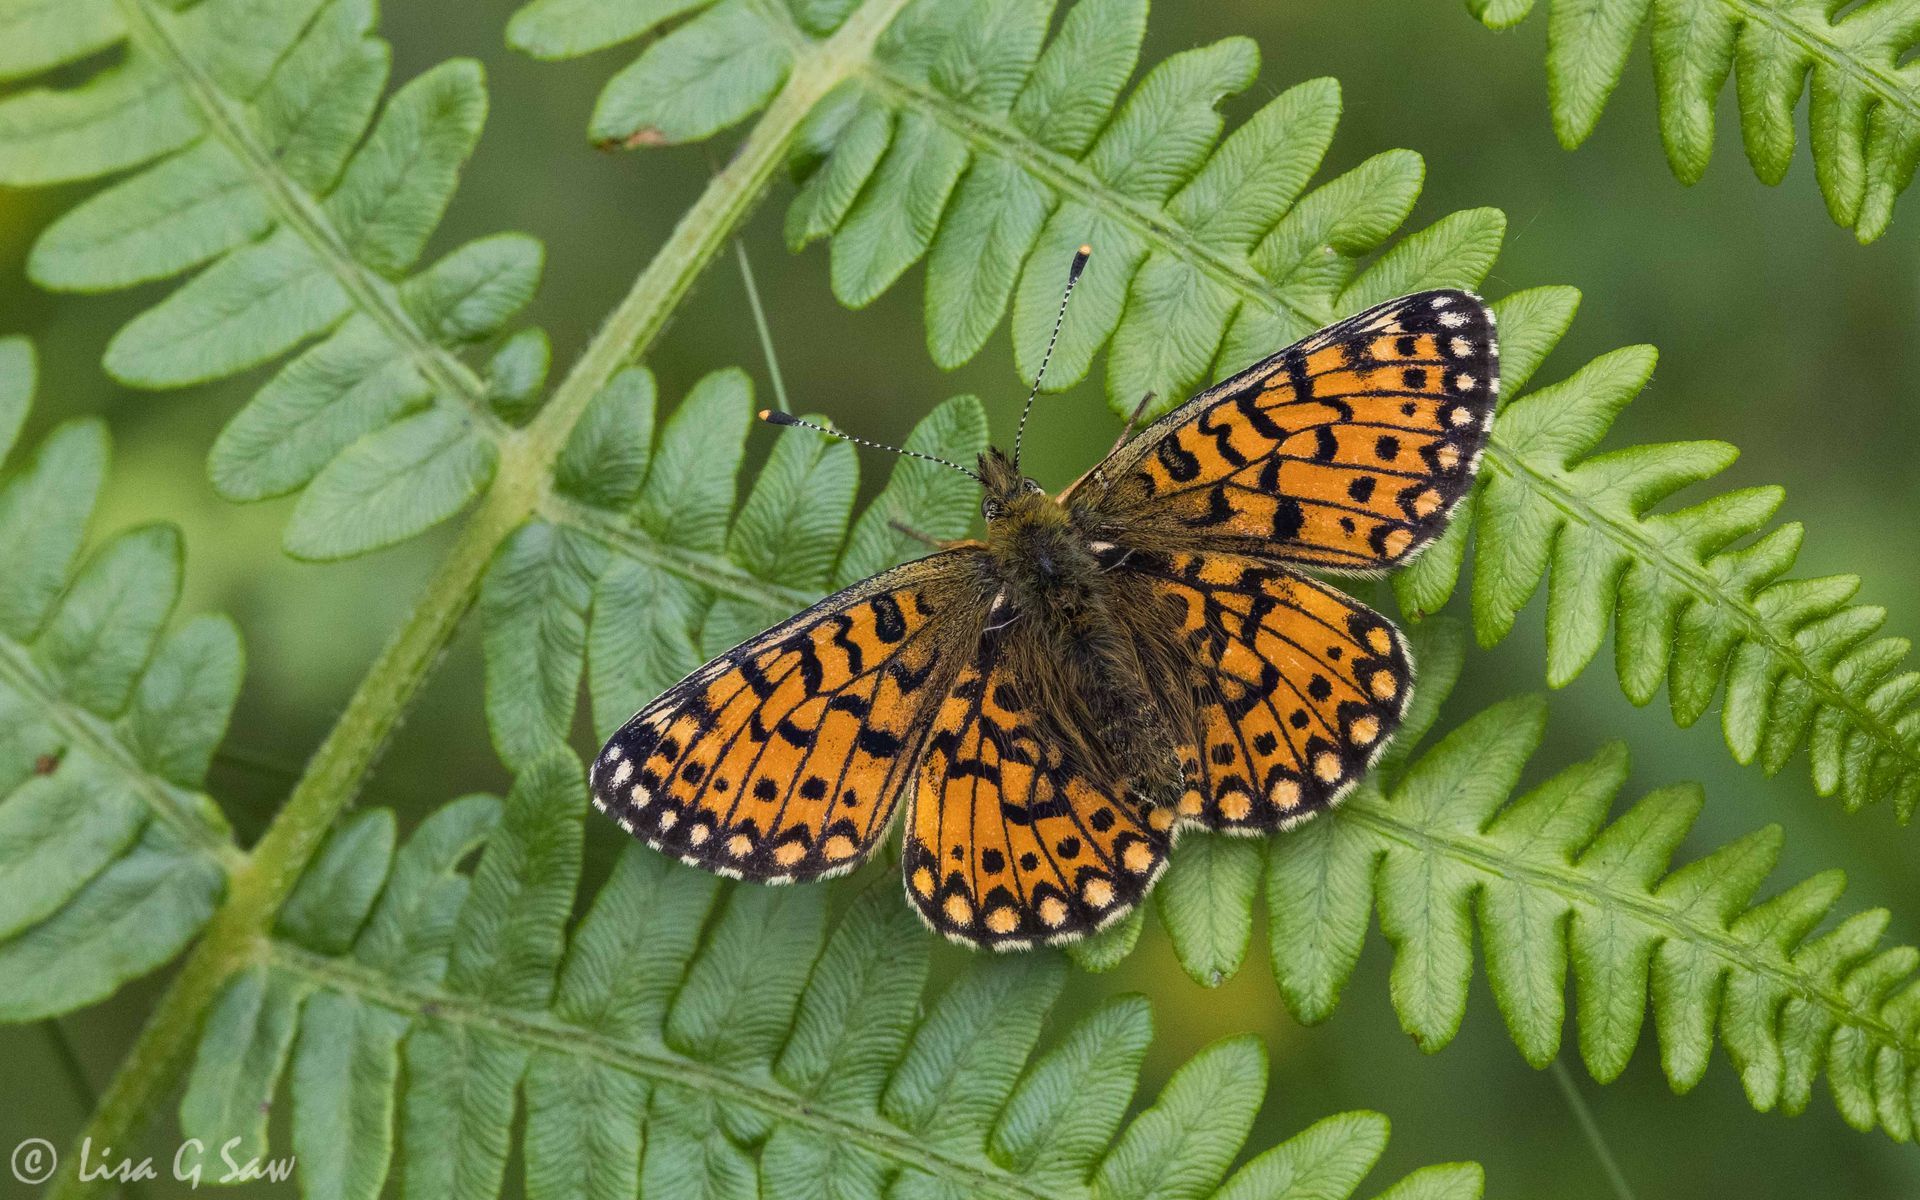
1008 493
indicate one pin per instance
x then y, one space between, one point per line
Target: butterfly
1140 654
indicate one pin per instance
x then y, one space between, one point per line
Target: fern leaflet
1697 596
766 1053
1441 848
972 141
1864 110
304 211
111 858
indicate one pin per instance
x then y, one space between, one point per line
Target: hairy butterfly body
1141 653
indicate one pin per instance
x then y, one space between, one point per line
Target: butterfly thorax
1072 639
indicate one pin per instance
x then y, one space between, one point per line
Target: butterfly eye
990 508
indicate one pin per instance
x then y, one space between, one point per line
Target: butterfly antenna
779 418
1080 257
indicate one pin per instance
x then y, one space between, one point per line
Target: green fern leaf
111 858
268 166
1863 109
763 1050
1696 595
971 140
641 568
1443 853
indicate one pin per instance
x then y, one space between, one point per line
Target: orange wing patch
1304 687
1008 845
1346 452
784 758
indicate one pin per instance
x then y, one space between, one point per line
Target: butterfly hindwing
783 759
1301 687
1345 452
1009 844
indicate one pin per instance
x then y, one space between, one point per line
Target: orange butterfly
1136 655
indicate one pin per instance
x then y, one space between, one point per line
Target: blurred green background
1777 332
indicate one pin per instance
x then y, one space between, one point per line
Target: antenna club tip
775 418
1085 251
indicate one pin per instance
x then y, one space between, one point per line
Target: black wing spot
888 624
1288 519
1181 466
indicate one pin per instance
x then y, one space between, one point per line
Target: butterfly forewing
783 759
1009 842
1345 452
1301 686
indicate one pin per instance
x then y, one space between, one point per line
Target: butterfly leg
1126 431
918 535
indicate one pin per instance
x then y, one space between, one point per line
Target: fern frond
693 1040
971 140
1697 596
268 165
639 566
1864 110
111 857
1444 853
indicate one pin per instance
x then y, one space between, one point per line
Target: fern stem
1707 589
660 1066
1069 177
713 571
300 212
61 1047
1590 1127
1584 890
760 326
335 773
